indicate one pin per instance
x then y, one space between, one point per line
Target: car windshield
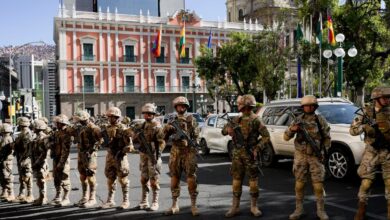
198 118
338 113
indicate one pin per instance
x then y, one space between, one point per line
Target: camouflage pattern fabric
90 140
39 152
6 177
305 161
23 159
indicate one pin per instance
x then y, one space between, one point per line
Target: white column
116 61
75 61
141 60
109 60
63 75
149 62
101 59
172 54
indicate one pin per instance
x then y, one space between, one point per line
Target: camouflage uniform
117 164
39 152
182 157
61 162
305 161
89 136
6 152
242 161
153 134
373 158
22 152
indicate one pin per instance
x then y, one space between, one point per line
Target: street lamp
340 53
201 102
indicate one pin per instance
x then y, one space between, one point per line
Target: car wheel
230 148
203 147
339 163
268 157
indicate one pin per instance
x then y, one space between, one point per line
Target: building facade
105 59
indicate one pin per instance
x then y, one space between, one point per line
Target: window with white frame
129 80
88 80
88 45
129 53
185 83
160 76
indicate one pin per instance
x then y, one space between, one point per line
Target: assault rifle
145 144
317 149
239 141
380 140
182 135
107 141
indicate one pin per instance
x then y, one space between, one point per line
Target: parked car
346 150
211 137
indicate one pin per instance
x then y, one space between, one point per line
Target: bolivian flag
182 43
331 38
156 48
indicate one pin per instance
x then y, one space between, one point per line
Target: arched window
240 15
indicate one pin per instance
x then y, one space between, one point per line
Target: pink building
105 59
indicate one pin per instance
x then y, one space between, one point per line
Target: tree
247 64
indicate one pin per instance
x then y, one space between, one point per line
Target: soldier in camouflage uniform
182 157
150 165
376 155
90 140
305 161
61 162
117 165
126 121
22 152
6 152
39 152
244 154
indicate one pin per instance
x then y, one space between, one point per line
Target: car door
213 133
208 131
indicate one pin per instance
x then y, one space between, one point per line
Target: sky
25 21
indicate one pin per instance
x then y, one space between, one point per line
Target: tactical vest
116 134
382 118
38 147
87 138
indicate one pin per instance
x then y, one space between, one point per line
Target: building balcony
130 89
130 58
176 89
88 58
87 89
161 59
185 60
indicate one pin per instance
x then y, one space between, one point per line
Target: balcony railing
161 59
87 89
130 58
88 58
130 89
175 89
185 60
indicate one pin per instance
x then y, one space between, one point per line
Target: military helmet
114 111
149 108
44 119
6 128
23 121
246 100
309 100
61 118
82 115
40 124
380 91
181 100
126 120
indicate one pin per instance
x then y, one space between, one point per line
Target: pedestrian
23 159
375 124
151 138
245 130
117 165
6 158
62 140
90 141
306 161
182 157
39 153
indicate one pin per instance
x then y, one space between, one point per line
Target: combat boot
110 200
57 198
254 209
155 205
297 214
321 210
92 197
29 198
388 210
194 208
65 199
235 209
42 200
125 204
175 207
144 204
361 212
21 197
11 196
84 199
4 194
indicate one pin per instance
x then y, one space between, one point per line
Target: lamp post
340 53
194 87
201 102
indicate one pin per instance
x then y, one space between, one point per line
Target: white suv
346 150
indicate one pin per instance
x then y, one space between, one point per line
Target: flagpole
311 64
320 59
303 74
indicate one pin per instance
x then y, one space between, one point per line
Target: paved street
276 197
